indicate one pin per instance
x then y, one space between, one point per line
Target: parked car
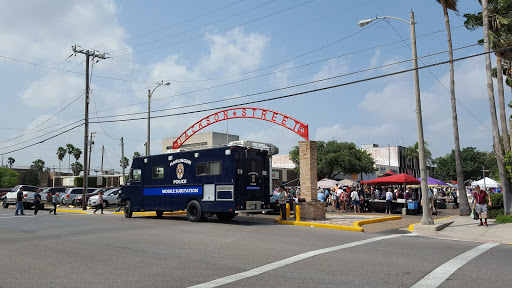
53 190
78 199
71 193
109 198
28 196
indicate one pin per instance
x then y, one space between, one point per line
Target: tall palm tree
61 153
464 207
69 149
507 199
412 155
77 153
11 161
499 23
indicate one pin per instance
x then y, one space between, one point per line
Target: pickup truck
28 196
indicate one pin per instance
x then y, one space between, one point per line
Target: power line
306 92
284 88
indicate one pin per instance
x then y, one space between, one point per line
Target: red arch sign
244 112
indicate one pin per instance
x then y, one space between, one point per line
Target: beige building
201 140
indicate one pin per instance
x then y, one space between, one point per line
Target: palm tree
507 199
135 155
412 156
77 153
11 161
61 153
500 29
77 167
124 162
69 149
464 207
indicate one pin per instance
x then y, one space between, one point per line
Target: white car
28 196
109 198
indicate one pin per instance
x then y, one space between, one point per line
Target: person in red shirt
480 203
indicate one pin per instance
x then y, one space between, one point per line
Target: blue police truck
223 181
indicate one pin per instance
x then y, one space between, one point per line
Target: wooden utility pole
95 55
122 157
102 153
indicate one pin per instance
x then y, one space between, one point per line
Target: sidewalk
465 228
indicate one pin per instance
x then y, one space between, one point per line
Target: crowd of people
345 199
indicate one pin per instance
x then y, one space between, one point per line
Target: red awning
394 179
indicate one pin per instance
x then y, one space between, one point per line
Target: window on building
208 168
158 172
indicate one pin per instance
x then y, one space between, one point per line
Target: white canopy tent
326 183
486 183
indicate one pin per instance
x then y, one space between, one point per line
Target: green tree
124 162
30 178
11 161
69 148
334 157
412 156
489 22
135 155
61 153
37 165
499 35
8 178
77 167
77 153
473 161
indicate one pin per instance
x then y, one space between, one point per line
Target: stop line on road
433 279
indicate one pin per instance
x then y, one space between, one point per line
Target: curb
72 211
355 226
437 227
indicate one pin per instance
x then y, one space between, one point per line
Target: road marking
13 216
281 263
439 275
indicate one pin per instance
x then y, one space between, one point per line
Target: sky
222 53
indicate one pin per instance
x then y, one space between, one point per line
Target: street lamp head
363 23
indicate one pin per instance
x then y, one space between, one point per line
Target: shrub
497 206
91 182
504 219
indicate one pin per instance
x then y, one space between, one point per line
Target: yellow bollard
280 212
297 213
287 210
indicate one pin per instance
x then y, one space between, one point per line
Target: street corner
348 222
439 224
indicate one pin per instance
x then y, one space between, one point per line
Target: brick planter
314 210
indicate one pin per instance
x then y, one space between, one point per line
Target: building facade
201 140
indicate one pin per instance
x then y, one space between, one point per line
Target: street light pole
427 217
150 93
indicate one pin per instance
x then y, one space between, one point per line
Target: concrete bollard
287 210
297 213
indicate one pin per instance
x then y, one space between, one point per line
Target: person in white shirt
282 202
355 201
389 201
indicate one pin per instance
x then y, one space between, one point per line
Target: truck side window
136 175
158 172
208 168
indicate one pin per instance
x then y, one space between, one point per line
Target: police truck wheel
159 213
5 204
226 216
194 211
128 212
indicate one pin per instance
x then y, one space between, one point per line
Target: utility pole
88 54
122 157
483 171
102 153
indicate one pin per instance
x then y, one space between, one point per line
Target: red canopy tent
394 179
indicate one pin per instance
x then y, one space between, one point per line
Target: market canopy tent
347 182
326 183
489 183
394 179
433 182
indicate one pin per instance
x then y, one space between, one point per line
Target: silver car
109 198
68 197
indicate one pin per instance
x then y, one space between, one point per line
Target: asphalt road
74 250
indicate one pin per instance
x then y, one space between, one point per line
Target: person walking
389 201
282 202
36 202
55 201
118 202
355 201
480 203
100 203
19 202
